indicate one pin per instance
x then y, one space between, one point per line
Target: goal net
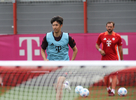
36 80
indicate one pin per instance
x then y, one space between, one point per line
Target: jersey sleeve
44 43
99 40
72 42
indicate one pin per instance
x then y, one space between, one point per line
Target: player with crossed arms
56 45
110 40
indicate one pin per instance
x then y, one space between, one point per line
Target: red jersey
109 45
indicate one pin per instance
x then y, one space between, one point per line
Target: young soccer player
110 41
56 45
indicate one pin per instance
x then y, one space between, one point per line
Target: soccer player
56 45
111 46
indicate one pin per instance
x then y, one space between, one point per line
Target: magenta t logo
125 50
29 47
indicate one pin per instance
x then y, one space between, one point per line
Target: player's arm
43 54
43 48
73 46
99 49
121 52
102 52
74 53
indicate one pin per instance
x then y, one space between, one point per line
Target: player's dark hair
110 23
59 19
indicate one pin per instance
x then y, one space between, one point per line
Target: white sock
108 88
113 90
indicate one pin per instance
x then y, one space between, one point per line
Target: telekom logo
29 47
125 50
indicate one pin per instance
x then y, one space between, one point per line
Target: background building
33 16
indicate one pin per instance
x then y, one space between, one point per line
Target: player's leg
59 94
114 83
59 87
107 83
1 83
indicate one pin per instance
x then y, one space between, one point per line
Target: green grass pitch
48 93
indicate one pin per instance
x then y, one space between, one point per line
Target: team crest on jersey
104 39
113 39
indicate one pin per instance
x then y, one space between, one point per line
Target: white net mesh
37 80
